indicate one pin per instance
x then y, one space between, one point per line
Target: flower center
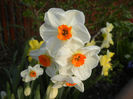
78 59
32 74
44 60
64 32
70 84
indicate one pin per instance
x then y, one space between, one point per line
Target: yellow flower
91 43
27 91
105 62
34 44
109 27
107 35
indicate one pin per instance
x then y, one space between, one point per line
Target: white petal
54 17
38 70
63 56
65 70
74 16
91 50
92 61
35 53
82 72
58 78
37 66
91 54
53 45
58 85
51 70
74 44
24 73
80 87
104 30
81 32
47 31
27 79
72 80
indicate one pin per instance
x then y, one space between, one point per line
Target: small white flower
67 81
60 26
27 91
45 59
31 73
77 61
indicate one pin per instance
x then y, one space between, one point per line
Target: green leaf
12 96
27 13
37 93
23 59
20 93
8 90
15 56
60 93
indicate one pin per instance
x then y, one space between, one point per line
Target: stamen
32 74
70 84
64 32
44 60
78 59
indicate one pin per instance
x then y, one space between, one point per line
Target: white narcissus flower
67 81
60 26
31 73
107 35
45 59
77 61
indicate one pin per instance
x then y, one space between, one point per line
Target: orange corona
70 84
78 59
32 74
64 32
44 60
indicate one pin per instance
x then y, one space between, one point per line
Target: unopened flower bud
51 92
27 91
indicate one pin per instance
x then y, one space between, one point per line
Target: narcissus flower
105 62
31 73
67 81
34 44
78 61
107 35
61 26
44 58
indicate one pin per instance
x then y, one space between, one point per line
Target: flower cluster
67 53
